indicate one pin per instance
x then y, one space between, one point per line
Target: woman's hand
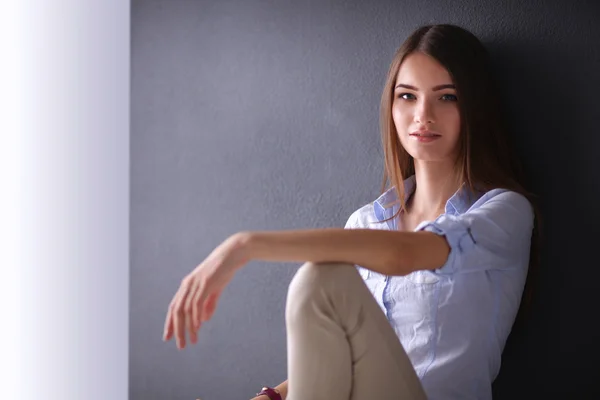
197 297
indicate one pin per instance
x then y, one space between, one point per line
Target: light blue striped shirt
453 322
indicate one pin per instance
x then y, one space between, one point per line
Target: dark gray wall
251 115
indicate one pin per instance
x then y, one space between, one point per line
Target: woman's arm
386 252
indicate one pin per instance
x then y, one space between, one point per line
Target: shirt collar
383 206
462 200
459 203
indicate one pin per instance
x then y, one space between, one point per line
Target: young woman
416 297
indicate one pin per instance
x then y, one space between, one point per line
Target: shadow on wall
549 110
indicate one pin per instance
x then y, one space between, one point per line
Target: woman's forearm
386 252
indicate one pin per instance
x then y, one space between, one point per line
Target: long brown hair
486 159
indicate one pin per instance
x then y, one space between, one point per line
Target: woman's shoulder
502 203
503 196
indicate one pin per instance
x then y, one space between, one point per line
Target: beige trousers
340 345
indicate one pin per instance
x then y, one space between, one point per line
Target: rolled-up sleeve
494 233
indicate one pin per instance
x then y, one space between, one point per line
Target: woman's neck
436 182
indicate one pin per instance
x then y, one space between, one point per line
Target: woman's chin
429 157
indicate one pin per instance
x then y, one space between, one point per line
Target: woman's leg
340 345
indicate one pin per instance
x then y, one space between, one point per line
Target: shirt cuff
458 235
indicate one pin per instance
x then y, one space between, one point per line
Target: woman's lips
425 136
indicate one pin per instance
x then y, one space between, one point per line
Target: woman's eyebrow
435 88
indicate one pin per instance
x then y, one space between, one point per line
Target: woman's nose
424 113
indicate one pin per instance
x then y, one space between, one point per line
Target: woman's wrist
240 245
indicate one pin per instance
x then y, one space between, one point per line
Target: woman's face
425 109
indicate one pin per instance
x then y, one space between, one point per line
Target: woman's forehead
419 69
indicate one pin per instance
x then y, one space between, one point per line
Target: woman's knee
314 281
311 276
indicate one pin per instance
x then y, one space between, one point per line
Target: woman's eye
449 97
406 96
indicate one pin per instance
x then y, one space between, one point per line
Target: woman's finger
189 306
196 309
211 306
178 314
178 324
168 331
